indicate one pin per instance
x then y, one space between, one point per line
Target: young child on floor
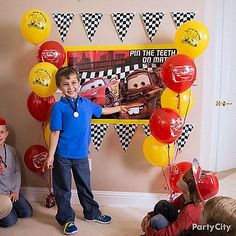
10 180
70 125
171 218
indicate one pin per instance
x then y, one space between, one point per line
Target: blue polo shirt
75 133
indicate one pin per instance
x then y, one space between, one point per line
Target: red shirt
188 215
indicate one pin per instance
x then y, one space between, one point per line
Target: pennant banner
98 132
181 17
122 23
91 22
63 22
181 141
152 22
146 130
125 133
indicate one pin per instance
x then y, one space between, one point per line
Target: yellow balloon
47 133
42 79
156 153
191 38
35 26
182 103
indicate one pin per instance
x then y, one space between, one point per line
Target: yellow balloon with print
46 134
35 26
42 79
156 153
182 103
191 38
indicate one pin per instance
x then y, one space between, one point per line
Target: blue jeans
21 209
62 188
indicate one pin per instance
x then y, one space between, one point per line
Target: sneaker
102 219
70 228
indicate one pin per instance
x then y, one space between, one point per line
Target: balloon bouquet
35 27
178 73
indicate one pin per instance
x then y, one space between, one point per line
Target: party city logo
215 227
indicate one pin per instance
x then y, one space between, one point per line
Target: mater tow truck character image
100 92
141 91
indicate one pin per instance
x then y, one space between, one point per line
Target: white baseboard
104 198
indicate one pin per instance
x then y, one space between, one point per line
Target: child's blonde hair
190 181
220 210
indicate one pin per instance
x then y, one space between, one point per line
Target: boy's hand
48 164
124 109
14 196
145 221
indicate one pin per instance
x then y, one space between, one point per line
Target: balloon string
178 103
167 184
185 116
48 179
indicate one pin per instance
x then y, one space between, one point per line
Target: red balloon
165 125
178 72
176 171
40 107
34 158
52 52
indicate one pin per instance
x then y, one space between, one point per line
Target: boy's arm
54 136
111 110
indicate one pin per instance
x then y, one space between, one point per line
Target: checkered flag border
146 129
181 17
91 22
122 72
152 22
125 133
98 132
181 141
122 22
63 22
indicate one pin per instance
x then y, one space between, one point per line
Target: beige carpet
126 221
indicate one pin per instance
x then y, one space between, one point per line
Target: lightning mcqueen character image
99 92
141 91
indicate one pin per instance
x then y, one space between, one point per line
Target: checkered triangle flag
98 132
146 130
181 141
91 22
152 22
63 22
122 23
125 133
181 17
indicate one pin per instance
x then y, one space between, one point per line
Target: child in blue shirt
69 148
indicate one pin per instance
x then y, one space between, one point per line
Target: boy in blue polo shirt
69 148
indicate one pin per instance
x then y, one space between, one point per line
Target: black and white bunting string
181 141
91 22
98 132
63 22
122 22
125 133
152 21
146 130
181 17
